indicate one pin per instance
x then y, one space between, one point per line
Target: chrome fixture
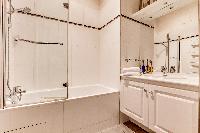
167 51
164 70
179 55
17 39
172 69
15 94
24 10
66 5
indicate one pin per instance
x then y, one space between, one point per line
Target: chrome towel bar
37 42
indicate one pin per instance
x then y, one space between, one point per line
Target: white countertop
180 81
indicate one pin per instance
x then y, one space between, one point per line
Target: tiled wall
183 23
83 43
94 53
32 66
136 38
110 44
89 37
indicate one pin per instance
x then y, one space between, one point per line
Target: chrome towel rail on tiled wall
37 42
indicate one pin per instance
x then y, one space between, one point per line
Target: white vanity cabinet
161 109
173 110
135 101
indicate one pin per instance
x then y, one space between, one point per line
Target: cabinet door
135 102
173 110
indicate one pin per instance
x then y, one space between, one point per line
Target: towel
131 74
131 69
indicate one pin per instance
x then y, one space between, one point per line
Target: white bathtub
89 109
34 97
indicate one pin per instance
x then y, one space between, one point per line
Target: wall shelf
158 9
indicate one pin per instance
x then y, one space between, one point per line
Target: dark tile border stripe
184 38
56 19
23 128
109 22
124 16
87 26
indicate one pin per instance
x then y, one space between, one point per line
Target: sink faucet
16 92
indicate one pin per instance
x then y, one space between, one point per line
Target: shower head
23 10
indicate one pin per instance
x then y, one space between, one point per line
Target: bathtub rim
57 101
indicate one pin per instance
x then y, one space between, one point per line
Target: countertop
180 81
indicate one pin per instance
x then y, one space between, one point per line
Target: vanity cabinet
135 102
161 109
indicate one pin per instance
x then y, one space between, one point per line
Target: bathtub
60 94
89 109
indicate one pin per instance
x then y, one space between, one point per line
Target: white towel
131 74
131 69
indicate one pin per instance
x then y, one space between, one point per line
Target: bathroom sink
169 76
174 77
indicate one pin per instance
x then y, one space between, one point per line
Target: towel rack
195 46
37 42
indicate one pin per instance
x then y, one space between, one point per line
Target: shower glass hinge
66 84
66 5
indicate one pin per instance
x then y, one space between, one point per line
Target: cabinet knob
152 94
145 90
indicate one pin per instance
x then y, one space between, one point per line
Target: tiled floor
118 129
127 127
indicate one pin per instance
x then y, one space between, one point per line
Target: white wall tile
183 23
110 55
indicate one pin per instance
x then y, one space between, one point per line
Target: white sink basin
169 76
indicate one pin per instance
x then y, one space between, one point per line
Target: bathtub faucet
17 92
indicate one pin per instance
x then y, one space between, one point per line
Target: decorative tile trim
109 22
83 25
25 127
184 38
124 16
56 19
65 21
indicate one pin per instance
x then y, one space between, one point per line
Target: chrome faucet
164 70
17 93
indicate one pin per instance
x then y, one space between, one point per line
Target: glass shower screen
36 51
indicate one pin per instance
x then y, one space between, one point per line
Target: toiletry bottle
143 67
151 66
147 67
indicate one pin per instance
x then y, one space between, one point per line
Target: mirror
163 31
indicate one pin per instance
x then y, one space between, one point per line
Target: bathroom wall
83 43
183 23
136 38
32 66
110 43
94 52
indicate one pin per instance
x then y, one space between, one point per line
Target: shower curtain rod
36 42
